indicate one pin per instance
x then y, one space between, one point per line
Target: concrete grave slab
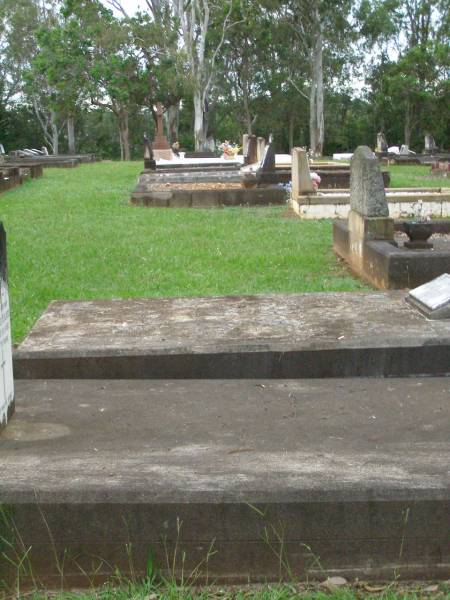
275 335
354 470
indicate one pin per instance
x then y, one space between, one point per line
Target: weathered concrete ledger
294 335
353 473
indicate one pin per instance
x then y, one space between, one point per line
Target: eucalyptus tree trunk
173 118
54 133
71 134
316 118
124 134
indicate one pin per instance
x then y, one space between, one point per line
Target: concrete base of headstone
213 198
402 203
164 154
109 473
387 266
304 335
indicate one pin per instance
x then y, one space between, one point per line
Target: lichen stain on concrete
24 431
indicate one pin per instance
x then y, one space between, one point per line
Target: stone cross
367 195
6 365
159 120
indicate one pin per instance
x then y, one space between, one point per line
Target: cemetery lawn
73 236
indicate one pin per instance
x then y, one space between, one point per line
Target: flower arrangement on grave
315 179
228 149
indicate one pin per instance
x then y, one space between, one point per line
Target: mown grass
415 176
72 235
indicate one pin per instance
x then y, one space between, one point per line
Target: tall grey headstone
367 195
6 365
301 175
250 156
268 158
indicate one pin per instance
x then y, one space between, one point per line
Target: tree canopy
85 75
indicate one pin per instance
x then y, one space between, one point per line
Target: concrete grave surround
6 368
111 467
293 335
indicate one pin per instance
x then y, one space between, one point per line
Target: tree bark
124 134
407 128
54 133
71 134
291 132
200 123
316 118
173 118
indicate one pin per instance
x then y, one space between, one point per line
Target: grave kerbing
6 367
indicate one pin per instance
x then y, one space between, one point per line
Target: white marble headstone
433 298
6 365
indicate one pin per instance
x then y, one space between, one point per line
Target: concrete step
334 476
274 336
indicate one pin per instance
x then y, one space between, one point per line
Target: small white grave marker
6 365
432 298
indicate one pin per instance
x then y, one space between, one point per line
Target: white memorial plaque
6 364
433 298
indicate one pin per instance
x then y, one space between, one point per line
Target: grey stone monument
430 144
149 159
301 175
382 145
6 365
368 218
251 155
260 147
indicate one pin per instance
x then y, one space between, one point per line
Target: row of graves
258 176
14 174
232 439
402 155
29 163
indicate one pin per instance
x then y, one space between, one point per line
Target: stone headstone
6 365
433 298
251 156
149 159
267 162
301 175
260 147
161 144
382 144
2 150
430 144
44 151
245 143
367 195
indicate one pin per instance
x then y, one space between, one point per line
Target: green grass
415 176
72 235
263 592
